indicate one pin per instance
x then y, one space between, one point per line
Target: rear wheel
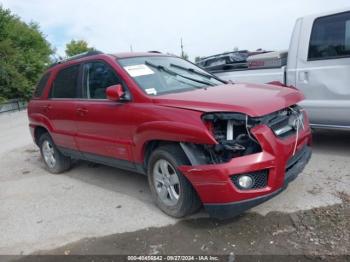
172 192
55 161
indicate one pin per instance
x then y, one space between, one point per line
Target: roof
97 53
332 12
270 55
138 54
224 54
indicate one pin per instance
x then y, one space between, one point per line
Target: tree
75 47
24 54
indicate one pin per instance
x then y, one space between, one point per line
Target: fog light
245 182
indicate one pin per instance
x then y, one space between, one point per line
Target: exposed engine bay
232 132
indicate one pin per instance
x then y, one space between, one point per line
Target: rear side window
330 37
65 84
41 85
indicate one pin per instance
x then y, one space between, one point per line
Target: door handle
46 108
82 111
304 77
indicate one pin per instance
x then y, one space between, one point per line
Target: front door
324 71
103 134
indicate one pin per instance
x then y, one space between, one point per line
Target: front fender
169 131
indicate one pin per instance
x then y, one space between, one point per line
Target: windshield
158 75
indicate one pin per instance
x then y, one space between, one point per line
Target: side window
97 77
65 84
330 37
41 85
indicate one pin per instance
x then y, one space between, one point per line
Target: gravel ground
313 234
96 209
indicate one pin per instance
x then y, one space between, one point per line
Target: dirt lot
101 210
318 232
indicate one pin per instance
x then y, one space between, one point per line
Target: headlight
231 131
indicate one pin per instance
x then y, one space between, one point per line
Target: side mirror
115 92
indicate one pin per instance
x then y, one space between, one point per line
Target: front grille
284 122
260 179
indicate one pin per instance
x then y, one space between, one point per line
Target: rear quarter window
41 85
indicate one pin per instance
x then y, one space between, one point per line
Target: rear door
103 128
323 72
61 106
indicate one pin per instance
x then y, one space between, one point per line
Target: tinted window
65 84
330 37
97 77
41 85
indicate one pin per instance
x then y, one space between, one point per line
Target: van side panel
324 81
293 53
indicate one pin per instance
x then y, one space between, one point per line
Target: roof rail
78 56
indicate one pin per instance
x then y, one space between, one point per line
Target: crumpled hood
251 99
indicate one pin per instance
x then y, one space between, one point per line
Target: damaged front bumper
214 183
227 210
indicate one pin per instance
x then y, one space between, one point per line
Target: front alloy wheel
172 192
166 182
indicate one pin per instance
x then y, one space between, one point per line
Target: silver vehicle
317 62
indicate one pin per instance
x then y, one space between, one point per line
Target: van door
323 69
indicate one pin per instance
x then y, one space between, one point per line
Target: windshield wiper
173 73
192 70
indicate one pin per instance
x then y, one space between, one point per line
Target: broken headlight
232 132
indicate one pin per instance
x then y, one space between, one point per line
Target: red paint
114 93
122 129
213 183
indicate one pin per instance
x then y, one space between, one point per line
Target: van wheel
55 161
172 192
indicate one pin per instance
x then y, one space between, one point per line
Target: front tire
54 160
172 192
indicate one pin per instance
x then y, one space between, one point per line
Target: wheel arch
38 132
152 145
151 135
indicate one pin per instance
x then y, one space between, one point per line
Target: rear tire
54 160
172 192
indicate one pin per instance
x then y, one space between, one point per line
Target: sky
207 27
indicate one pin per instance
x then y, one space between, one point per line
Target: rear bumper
223 199
228 210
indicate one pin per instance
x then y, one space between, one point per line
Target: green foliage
75 47
24 54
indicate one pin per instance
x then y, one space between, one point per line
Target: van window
65 84
97 77
41 85
330 37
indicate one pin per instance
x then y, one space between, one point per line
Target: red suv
199 139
